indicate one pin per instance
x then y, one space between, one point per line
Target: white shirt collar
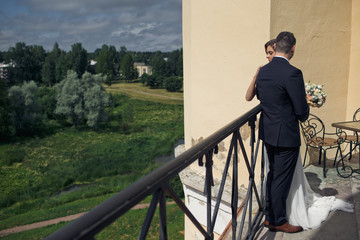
282 57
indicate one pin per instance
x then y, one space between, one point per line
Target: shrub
154 81
144 78
173 84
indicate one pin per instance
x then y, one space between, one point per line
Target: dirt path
58 220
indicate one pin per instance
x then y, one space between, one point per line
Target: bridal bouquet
314 94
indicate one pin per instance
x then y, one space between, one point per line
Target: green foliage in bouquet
314 94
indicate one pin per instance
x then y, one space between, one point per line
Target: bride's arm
250 93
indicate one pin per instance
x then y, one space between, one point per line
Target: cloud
140 25
133 29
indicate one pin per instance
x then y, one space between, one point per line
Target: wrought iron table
343 169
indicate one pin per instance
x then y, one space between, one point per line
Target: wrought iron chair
354 139
315 136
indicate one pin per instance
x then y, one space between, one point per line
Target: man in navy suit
280 89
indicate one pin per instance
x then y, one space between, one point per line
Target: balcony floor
339 225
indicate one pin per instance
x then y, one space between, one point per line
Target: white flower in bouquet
314 94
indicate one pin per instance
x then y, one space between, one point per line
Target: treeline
64 87
33 63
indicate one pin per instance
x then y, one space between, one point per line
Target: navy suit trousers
282 162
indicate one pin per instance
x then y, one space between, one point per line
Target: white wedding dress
304 207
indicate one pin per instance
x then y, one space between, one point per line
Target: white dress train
304 207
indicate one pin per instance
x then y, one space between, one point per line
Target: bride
304 207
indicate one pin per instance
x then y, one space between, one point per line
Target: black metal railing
157 184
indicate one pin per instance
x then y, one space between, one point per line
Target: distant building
92 66
93 62
4 71
142 68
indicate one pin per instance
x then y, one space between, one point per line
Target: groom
281 91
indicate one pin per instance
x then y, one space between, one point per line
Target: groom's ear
293 49
275 47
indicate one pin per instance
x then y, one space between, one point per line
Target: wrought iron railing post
209 181
251 176
149 215
162 210
182 206
235 191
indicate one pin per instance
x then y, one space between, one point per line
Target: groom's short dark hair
284 42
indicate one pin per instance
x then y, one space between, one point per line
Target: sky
139 25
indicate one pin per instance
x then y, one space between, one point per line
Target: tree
26 63
116 59
122 52
95 99
62 66
25 109
47 100
69 97
173 62
144 78
82 99
114 54
37 54
96 53
127 67
179 66
78 58
105 62
56 51
143 57
159 65
49 70
5 121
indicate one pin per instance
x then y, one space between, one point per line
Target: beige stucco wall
223 46
353 99
218 65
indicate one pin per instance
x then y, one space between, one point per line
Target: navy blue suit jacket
281 91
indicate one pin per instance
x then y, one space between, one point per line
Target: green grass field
125 228
136 90
73 170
